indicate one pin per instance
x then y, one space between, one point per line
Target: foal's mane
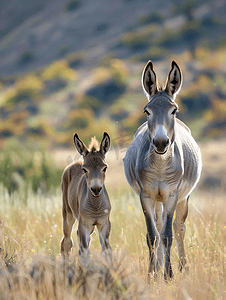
94 145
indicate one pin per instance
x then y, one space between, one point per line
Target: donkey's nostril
161 143
96 190
167 142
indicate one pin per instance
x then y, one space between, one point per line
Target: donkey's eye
147 112
174 111
104 169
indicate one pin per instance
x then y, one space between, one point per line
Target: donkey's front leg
166 234
153 239
104 232
84 231
179 230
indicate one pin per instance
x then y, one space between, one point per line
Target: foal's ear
174 80
149 80
105 143
80 146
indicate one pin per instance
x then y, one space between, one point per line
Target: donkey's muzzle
96 191
161 144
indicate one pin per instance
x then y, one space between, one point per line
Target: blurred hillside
75 65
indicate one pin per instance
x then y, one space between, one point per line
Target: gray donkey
85 199
163 165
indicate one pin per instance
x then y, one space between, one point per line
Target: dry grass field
31 267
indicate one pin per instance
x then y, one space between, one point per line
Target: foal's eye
104 169
174 111
84 170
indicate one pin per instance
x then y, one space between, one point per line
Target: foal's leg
68 222
148 206
167 234
104 232
84 231
179 230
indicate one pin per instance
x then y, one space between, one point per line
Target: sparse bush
78 119
211 182
101 74
222 42
75 59
26 57
119 114
186 7
63 50
33 167
55 85
141 38
190 33
101 27
151 18
154 53
87 102
134 41
59 69
210 23
6 170
195 104
110 81
57 75
15 125
28 88
106 92
73 4
118 71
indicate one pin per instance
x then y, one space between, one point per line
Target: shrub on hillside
154 53
34 168
14 125
59 69
27 88
110 81
57 75
73 4
86 102
26 57
75 59
141 38
151 18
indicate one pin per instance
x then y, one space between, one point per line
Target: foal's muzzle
96 191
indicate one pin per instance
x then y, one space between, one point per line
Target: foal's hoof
107 256
183 268
84 258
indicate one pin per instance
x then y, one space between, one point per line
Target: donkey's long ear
105 143
80 146
149 80
174 80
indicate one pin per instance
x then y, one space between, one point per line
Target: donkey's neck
160 160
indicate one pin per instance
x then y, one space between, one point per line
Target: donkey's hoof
107 256
168 277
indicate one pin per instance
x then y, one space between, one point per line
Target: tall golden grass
31 267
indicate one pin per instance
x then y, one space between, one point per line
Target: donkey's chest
159 182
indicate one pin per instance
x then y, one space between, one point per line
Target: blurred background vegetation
75 66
